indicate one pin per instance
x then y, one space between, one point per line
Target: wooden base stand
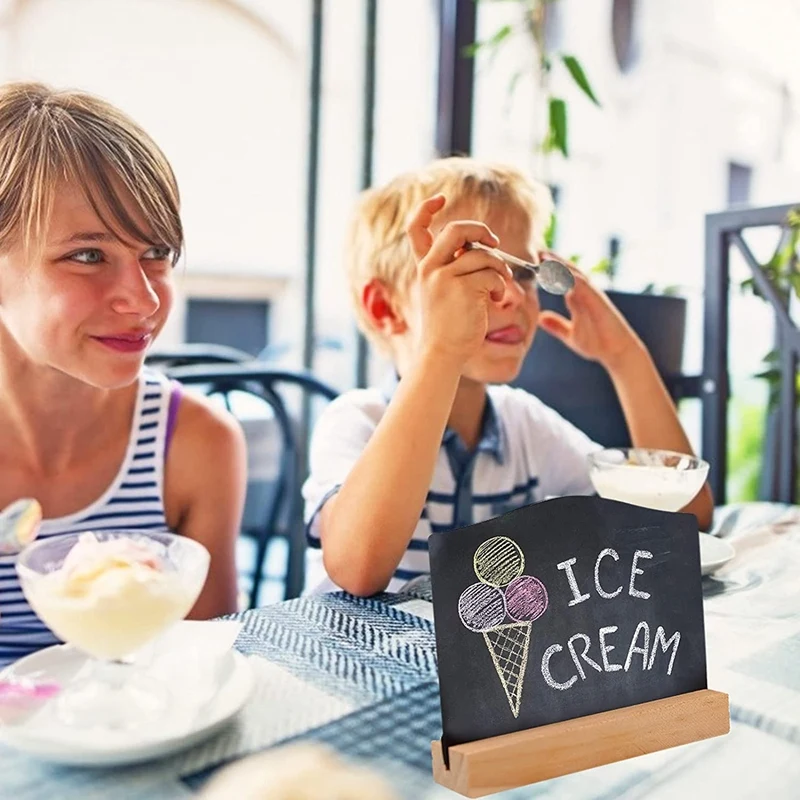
517 759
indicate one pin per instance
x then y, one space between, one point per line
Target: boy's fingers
476 260
551 256
490 281
418 228
485 281
453 237
555 324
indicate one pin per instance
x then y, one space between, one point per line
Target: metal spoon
552 275
19 525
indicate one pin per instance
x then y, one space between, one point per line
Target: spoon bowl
553 276
19 525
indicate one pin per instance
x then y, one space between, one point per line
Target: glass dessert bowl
108 593
658 479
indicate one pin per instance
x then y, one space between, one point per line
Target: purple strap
174 402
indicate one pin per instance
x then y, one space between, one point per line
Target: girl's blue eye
90 256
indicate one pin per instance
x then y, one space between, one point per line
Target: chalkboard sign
562 609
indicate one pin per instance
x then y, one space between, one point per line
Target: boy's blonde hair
49 137
377 245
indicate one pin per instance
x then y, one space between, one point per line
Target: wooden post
517 759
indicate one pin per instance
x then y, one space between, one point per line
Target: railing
724 231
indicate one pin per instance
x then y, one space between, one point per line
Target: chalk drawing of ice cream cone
484 608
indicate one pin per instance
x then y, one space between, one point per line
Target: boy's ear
381 308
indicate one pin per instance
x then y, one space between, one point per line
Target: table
360 675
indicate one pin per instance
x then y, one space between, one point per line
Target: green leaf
550 232
491 43
500 34
673 290
514 82
557 136
579 76
794 280
785 255
747 285
602 267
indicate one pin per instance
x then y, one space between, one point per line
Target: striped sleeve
339 438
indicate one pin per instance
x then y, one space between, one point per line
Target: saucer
198 709
714 552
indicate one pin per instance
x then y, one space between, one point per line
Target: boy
449 444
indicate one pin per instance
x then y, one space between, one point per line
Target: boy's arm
596 330
652 419
366 527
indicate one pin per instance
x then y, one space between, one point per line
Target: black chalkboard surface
562 609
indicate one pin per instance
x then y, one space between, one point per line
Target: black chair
187 354
276 426
581 390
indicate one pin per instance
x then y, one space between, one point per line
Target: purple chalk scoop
526 598
482 607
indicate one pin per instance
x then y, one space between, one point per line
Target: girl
89 234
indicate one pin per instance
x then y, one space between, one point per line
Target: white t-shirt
527 452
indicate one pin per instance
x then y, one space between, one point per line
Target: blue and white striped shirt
526 453
134 500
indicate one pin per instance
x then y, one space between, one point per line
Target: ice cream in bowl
658 479
108 593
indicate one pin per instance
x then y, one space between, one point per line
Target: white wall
223 86
717 81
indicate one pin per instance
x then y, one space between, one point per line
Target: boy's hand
455 286
596 329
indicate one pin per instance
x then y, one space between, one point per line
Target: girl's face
88 304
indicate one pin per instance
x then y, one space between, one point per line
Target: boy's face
513 319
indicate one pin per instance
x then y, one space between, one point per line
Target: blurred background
643 116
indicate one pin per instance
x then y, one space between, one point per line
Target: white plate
193 715
714 552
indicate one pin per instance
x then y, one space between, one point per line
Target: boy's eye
90 256
524 277
159 252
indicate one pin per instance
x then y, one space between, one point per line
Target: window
625 33
242 324
614 246
740 178
553 25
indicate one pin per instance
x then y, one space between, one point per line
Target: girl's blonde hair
49 137
377 245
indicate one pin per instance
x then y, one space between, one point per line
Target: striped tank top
134 500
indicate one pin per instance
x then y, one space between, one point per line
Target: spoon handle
507 257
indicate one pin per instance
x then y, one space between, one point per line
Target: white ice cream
661 488
110 597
